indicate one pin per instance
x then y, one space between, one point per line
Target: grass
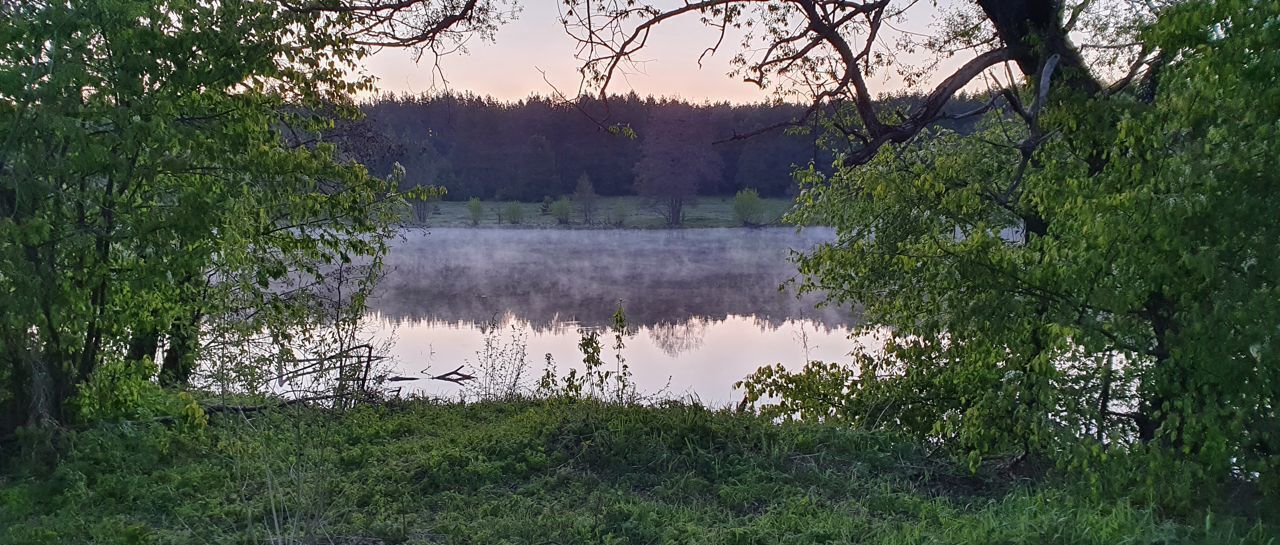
633 212
541 473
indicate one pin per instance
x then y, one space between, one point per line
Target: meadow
611 212
548 471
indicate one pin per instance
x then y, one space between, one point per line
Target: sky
512 66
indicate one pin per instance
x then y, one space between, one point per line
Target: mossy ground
542 473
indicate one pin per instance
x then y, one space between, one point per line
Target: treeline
540 147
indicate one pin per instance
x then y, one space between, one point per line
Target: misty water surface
705 303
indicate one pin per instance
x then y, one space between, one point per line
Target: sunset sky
508 68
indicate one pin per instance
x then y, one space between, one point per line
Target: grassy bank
625 212
539 473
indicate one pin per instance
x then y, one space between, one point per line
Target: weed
500 365
521 471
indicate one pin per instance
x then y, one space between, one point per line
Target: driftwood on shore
455 376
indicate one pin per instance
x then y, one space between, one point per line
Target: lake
704 304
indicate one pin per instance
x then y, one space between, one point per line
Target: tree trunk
180 355
1157 388
675 212
44 404
144 344
13 391
1035 31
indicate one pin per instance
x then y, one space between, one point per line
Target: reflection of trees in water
552 277
678 337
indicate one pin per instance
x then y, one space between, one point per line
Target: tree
538 172
841 43
1088 278
675 158
767 165
166 167
586 199
478 146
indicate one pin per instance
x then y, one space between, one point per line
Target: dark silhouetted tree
480 147
676 159
537 176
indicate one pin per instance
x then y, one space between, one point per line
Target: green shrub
562 210
514 213
475 210
596 381
748 207
124 390
618 214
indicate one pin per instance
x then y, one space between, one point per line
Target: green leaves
164 160
1115 291
748 207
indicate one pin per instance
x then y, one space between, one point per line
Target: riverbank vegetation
551 471
1085 278
1079 288
527 149
605 213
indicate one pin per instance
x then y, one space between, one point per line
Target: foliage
125 391
424 201
527 472
492 149
1107 297
586 198
594 377
623 212
595 382
158 179
748 207
475 210
819 392
675 161
514 213
541 168
624 390
562 211
500 365
617 216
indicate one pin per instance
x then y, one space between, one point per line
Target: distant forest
540 147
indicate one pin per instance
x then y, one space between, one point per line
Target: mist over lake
705 304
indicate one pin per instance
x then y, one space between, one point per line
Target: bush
422 210
514 213
124 390
748 207
475 209
561 210
618 214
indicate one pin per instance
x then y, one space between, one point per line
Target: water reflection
549 277
677 338
705 304
728 350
